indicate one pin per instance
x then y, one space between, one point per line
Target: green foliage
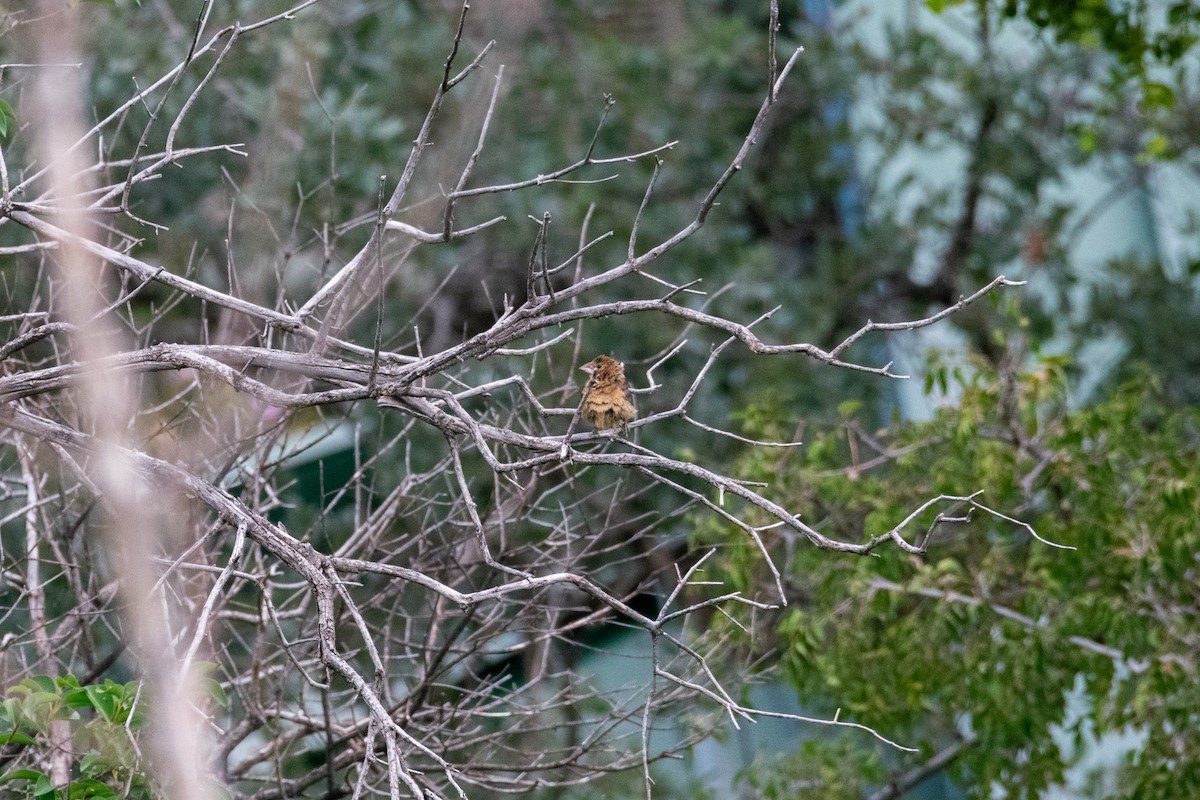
818 770
1150 311
1143 39
1123 29
1138 34
100 719
7 118
992 632
104 736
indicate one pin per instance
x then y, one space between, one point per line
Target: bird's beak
588 368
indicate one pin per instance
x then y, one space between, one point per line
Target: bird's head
598 363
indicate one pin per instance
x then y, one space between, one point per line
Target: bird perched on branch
606 402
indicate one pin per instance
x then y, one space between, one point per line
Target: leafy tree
1005 659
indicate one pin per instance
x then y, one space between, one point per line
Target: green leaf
10 711
848 408
89 789
1158 95
104 701
43 789
67 681
1180 13
1155 149
938 6
217 693
77 698
21 775
43 682
1089 140
16 737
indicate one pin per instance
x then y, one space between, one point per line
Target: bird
606 402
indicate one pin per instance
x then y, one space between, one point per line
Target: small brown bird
607 404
